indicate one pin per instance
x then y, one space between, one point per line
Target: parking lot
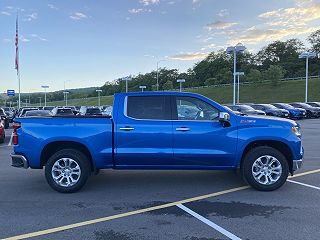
189 205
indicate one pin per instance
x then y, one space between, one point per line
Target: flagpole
17 60
19 89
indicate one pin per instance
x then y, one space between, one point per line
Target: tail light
16 126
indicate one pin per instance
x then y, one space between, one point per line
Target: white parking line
10 142
208 222
304 184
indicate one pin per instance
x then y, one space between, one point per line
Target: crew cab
159 130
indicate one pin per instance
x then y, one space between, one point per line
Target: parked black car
271 110
312 112
4 118
90 111
62 111
295 113
314 104
246 109
9 112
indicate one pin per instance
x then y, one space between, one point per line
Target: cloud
78 16
23 39
36 36
305 11
7 40
5 13
149 2
189 56
31 17
223 13
138 10
52 6
254 35
9 7
220 25
195 1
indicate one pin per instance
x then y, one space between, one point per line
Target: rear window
64 112
93 111
149 107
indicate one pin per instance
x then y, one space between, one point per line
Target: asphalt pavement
188 205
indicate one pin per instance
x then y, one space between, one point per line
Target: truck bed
93 132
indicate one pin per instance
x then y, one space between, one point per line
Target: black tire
309 114
252 156
79 158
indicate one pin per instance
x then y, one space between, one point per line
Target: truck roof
154 93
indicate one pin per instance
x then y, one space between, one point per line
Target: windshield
286 105
38 113
269 106
246 107
304 105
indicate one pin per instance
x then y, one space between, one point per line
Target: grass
289 91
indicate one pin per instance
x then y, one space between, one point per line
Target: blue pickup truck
159 130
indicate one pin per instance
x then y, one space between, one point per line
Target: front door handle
183 129
126 128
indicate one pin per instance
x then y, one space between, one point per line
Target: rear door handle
183 129
126 128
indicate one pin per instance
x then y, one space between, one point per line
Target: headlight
296 130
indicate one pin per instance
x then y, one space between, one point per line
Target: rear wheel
265 168
67 170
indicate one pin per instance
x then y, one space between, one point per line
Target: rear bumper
19 161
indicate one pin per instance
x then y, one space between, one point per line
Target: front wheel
265 168
67 170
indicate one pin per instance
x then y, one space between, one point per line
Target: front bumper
296 164
19 161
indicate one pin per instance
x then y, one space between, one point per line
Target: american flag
17 47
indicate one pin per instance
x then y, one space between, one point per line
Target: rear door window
149 107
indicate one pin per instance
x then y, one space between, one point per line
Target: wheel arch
56 146
280 146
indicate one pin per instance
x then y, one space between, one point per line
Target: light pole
234 50
26 102
158 72
180 81
307 55
128 78
64 87
142 88
99 92
45 94
40 100
66 96
239 74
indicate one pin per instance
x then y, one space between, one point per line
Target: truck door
199 139
143 132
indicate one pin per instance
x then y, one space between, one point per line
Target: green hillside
289 91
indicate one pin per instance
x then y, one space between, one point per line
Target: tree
274 73
254 75
168 85
210 81
284 54
314 40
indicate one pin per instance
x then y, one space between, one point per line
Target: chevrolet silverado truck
159 130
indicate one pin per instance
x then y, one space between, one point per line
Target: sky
82 43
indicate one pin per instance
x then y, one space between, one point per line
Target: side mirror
224 118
